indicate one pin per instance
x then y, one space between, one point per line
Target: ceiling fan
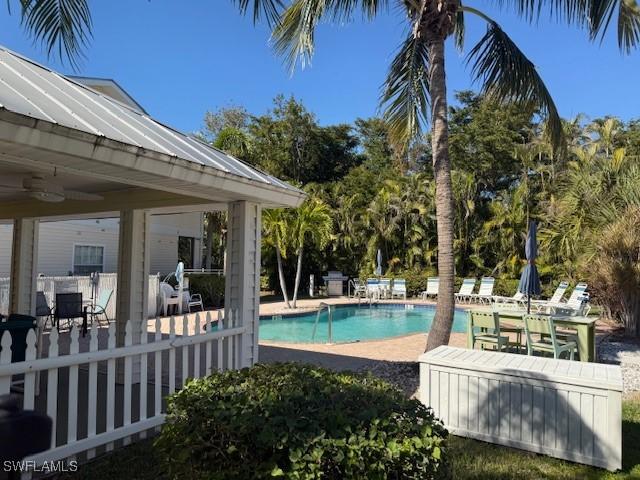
44 189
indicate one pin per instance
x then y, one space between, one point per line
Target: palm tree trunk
298 275
283 284
441 327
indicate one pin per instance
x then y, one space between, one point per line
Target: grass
471 460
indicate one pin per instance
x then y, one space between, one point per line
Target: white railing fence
82 284
99 395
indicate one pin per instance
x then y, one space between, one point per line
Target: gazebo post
24 264
132 292
242 280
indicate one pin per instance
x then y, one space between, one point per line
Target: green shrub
299 422
211 287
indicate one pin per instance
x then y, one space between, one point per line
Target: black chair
69 307
42 308
18 327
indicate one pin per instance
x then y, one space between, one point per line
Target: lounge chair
485 291
100 307
433 283
555 299
399 288
518 300
577 304
466 289
373 288
384 287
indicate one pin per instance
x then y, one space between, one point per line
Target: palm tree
276 225
312 222
416 82
416 79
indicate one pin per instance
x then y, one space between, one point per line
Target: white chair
169 297
399 288
384 287
433 283
485 292
373 288
519 299
195 300
358 288
554 300
466 289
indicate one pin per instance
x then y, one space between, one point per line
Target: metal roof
33 90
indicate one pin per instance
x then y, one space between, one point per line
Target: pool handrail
321 307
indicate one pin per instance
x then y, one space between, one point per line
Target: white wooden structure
568 410
77 139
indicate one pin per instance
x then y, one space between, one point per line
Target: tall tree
417 80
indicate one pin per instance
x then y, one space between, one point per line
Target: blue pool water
352 323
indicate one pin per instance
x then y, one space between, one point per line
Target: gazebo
58 136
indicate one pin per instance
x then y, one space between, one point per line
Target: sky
179 59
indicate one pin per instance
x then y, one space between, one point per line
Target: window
186 247
87 259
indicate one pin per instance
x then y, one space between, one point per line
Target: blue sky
182 58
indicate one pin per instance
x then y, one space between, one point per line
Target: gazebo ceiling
55 128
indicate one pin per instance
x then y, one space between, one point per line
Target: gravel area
623 351
404 375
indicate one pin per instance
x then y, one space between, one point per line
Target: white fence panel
94 408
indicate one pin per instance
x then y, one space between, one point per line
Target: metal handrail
321 307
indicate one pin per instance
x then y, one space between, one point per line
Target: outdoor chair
555 299
43 310
373 288
69 307
519 299
359 288
466 289
485 330
399 288
384 287
433 283
169 297
485 291
195 300
550 341
100 307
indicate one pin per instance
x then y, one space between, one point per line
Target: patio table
585 328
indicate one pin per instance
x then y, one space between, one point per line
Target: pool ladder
329 309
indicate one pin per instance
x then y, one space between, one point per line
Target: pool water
352 323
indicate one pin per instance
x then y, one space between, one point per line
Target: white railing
82 284
97 393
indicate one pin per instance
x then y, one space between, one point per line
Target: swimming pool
352 323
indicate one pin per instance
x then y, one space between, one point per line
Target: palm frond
458 32
507 75
64 25
594 15
294 34
405 96
268 9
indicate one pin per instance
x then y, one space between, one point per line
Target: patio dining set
379 288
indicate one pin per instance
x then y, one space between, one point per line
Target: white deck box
569 410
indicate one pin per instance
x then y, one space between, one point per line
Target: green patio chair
485 330
550 341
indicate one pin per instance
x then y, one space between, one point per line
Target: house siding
57 241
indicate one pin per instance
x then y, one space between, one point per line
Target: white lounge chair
433 283
555 299
466 289
485 292
384 287
399 288
577 304
373 288
519 299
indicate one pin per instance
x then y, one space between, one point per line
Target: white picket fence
82 284
98 394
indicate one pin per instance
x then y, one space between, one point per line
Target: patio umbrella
379 261
529 280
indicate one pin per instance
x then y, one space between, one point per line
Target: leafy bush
211 287
299 421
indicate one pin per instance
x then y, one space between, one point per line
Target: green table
584 326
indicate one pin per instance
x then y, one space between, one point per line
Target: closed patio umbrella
529 280
379 261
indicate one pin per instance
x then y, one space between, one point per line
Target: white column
133 273
242 281
24 262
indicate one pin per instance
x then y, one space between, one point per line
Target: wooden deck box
568 410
